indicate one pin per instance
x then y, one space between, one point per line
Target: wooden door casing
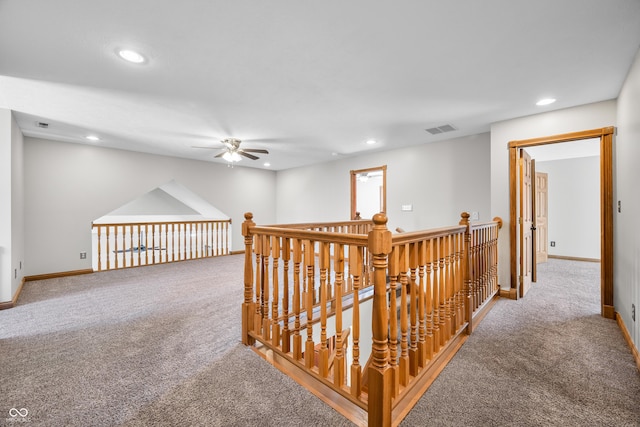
526 223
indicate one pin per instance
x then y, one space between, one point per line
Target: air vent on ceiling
42 125
441 129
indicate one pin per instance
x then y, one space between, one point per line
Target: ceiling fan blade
251 156
220 154
255 150
208 148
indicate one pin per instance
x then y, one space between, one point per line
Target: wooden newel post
380 374
466 271
248 308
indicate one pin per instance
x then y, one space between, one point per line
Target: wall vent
440 129
42 125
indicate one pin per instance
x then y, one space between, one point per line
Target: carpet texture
160 346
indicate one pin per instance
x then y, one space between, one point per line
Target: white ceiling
309 81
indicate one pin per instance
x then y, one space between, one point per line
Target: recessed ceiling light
92 138
131 56
371 141
267 164
545 101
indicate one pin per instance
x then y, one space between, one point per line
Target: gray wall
67 186
626 274
440 179
574 206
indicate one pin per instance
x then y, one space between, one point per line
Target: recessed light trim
131 56
371 142
92 138
267 164
545 101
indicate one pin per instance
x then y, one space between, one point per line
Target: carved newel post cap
248 216
465 215
380 219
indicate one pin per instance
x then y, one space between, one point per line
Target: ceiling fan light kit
233 153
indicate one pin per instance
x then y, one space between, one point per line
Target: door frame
606 207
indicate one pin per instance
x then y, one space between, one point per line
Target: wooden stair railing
302 304
124 245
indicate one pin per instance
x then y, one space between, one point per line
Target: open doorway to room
521 255
368 192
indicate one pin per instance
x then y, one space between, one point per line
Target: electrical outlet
553 244
475 216
83 255
633 312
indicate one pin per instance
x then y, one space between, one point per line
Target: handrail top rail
113 224
497 220
416 236
305 225
312 235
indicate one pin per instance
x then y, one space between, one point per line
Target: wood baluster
286 333
394 270
339 361
266 255
445 315
115 243
413 347
99 248
139 244
404 308
429 298
422 327
459 280
108 247
379 403
323 354
356 259
297 260
153 243
146 243
309 260
450 294
130 228
466 271
257 318
275 253
248 305
478 269
436 296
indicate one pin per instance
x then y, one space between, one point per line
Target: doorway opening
605 135
368 192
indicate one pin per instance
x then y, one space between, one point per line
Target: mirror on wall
368 192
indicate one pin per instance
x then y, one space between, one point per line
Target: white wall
626 274
440 179
590 116
67 186
574 206
11 207
17 207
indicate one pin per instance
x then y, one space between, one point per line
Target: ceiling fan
232 151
